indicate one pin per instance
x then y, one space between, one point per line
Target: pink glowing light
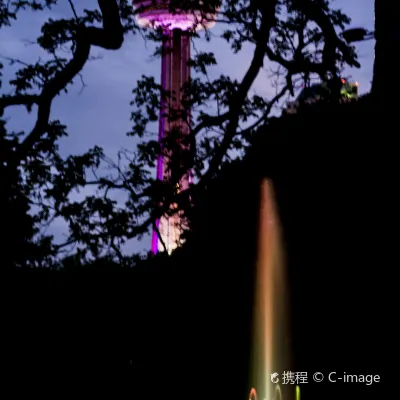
174 75
253 394
158 15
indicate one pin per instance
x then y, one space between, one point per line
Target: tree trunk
385 82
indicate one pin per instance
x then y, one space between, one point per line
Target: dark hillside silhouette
163 327
336 192
184 322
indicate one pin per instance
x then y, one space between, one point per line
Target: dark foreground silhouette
182 327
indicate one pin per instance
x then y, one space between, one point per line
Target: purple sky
100 113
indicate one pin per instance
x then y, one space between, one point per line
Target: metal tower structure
175 73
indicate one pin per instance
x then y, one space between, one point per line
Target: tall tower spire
175 74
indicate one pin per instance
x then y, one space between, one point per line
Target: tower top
176 14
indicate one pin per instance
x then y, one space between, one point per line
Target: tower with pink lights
176 19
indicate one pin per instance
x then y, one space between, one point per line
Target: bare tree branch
331 42
160 237
109 37
267 111
71 3
18 100
267 21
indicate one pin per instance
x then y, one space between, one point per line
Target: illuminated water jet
270 346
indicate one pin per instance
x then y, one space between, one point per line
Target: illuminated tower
176 23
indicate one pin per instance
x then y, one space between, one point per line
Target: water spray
270 346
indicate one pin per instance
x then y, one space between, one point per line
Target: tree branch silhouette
109 37
267 21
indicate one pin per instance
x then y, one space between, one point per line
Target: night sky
100 113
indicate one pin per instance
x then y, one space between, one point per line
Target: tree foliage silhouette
298 39
387 35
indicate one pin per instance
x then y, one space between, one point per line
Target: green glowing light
297 392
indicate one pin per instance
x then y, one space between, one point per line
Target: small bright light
343 80
357 83
298 393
